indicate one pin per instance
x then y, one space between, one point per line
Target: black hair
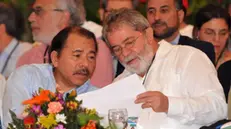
104 4
12 18
209 12
59 41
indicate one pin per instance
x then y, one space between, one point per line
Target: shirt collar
79 90
176 40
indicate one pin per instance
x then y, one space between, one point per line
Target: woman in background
213 25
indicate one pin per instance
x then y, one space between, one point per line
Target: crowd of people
185 69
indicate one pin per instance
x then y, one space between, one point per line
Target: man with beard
72 58
183 91
165 17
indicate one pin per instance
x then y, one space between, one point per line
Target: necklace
148 69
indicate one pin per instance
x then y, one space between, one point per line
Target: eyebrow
151 8
93 52
209 29
79 51
164 6
223 30
37 7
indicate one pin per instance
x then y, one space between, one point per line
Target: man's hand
153 99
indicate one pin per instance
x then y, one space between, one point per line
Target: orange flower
44 96
91 125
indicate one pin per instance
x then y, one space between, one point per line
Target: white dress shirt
189 80
16 53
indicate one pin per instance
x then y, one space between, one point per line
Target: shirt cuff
175 106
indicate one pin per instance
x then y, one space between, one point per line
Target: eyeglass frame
38 10
126 45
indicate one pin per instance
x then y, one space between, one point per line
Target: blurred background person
186 29
213 25
105 7
165 17
48 18
11 29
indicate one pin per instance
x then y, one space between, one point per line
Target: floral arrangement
48 110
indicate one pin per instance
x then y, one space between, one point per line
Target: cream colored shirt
189 80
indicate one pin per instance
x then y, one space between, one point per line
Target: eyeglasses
39 11
211 34
117 50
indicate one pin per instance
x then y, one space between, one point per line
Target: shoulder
225 67
194 42
34 68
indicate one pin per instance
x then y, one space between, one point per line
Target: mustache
158 22
129 58
82 71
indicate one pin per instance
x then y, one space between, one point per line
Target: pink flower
54 107
59 127
36 109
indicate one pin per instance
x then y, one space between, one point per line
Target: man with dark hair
48 17
11 28
73 59
165 17
107 5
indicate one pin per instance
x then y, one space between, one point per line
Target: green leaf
16 121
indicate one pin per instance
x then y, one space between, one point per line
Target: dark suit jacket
206 47
224 76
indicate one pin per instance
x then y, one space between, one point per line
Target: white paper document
120 94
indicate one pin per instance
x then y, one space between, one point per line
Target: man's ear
54 58
64 21
181 15
149 34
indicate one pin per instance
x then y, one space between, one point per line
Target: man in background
165 17
105 7
48 17
11 29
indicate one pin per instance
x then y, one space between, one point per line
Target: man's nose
32 16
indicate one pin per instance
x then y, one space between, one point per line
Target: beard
167 32
145 61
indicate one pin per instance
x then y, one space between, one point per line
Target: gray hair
124 16
76 10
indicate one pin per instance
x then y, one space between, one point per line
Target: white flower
77 98
61 118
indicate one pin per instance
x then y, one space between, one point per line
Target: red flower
28 122
142 1
185 3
